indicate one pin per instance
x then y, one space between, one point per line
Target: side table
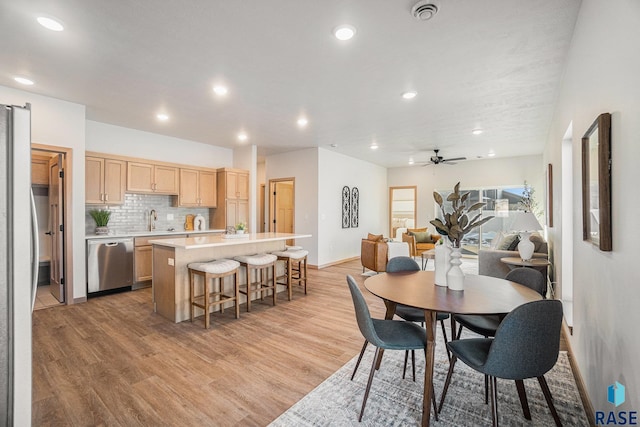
426 256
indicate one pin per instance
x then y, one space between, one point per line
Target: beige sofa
489 263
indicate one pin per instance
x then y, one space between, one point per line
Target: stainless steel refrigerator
18 265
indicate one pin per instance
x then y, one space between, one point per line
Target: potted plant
455 225
240 228
101 217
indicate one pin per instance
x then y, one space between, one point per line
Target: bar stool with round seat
296 268
210 271
259 264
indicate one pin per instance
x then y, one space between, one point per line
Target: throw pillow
374 237
537 241
507 241
423 237
514 244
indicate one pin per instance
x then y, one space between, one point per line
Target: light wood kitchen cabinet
152 178
197 188
143 256
39 170
233 198
104 181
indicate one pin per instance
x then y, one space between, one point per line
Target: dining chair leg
459 332
494 400
366 392
364 347
404 368
433 402
447 382
547 395
444 335
522 395
486 389
413 364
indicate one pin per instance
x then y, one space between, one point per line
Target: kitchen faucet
153 217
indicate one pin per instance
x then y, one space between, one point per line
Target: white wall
61 124
601 75
105 138
470 174
335 171
302 165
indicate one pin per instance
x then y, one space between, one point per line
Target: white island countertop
221 240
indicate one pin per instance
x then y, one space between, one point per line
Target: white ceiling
494 65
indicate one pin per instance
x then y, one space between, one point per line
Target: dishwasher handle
112 243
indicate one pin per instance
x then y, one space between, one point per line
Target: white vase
455 275
441 263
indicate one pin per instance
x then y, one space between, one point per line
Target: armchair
419 240
373 253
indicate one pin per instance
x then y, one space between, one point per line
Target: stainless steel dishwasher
109 264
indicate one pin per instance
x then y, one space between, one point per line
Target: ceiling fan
436 160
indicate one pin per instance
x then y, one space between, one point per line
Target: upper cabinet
233 198
197 188
152 178
237 183
39 170
104 181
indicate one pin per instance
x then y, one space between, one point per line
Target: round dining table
481 295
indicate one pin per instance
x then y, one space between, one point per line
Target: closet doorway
49 187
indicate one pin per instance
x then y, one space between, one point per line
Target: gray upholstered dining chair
413 314
487 325
383 334
526 345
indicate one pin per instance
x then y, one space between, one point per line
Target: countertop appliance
19 266
109 265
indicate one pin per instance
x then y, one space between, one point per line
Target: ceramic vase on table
441 263
455 275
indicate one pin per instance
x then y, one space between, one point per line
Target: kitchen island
171 256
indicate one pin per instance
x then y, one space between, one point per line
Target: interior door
282 206
56 218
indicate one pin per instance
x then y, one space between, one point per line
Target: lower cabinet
143 258
142 263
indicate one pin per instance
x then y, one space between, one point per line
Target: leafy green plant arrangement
457 223
101 217
241 226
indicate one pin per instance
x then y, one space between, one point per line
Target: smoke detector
424 10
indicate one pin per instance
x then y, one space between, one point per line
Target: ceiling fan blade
455 159
449 163
426 164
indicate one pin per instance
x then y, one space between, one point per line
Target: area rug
397 402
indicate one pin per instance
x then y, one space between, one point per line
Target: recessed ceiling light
344 32
411 161
374 146
23 81
162 117
492 154
302 122
220 90
410 94
243 136
50 23
477 131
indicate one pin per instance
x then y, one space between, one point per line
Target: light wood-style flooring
112 361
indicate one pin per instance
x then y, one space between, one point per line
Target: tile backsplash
133 215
